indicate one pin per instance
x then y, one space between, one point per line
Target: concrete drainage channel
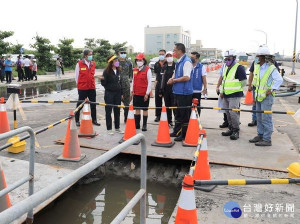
102 194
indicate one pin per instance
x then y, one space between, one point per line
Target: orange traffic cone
4 124
161 200
207 68
130 129
186 212
71 150
4 200
86 125
202 169
163 137
249 98
192 133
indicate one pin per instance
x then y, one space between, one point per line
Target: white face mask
169 59
140 63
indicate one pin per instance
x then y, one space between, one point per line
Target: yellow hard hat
294 168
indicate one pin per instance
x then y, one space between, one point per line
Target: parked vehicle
152 62
213 60
205 61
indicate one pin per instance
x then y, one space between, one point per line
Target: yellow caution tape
66 101
236 182
34 101
62 120
279 181
196 153
50 126
102 104
121 106
236 109
217 108
290 112
51 101
172 107
151 107
268 111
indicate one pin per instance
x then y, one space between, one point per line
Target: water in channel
101 202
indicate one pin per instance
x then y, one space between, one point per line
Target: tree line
44 50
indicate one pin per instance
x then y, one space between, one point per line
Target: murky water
101 202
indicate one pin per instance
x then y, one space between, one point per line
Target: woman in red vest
141 87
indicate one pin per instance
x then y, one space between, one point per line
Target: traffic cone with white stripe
86 125
186 212
4 124
4 200
192 133
163 137
71 150
202 168
130 129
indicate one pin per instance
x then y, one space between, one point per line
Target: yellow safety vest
262 84
255 74
230 84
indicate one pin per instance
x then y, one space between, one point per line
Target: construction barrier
4 124
16 140
246 182
174 107
4 200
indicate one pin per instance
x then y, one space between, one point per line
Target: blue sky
218 23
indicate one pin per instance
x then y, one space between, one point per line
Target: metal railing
34 200
30 177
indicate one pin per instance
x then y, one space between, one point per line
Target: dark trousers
27 73
114 98
8 76
158 101
20 74
62 70
2 75
82 95
198 96
34 75
169 102
182 115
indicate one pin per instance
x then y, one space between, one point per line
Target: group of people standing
264 80
26 68
177 83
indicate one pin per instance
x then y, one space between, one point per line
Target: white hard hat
169 52
263 50
230 53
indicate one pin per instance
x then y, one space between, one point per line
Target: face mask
116 64
161 57
228 63
8 59
123 55
90 58
193 60
169 59
256 60
140 63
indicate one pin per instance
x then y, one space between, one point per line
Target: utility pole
295 40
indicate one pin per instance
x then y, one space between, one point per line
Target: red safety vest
140 82
86 79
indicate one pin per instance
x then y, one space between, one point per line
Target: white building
164 37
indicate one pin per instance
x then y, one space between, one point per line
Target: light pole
265 34
294 53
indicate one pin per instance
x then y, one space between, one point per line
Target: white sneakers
111 132
119 131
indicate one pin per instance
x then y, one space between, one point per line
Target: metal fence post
143 180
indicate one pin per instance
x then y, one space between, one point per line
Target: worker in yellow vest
233 80
267 81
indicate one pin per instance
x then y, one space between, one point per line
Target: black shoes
224 125
227 133
173 134
77 123
144 128
255 139
235 134
96 123
252 124
263 143
178 138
